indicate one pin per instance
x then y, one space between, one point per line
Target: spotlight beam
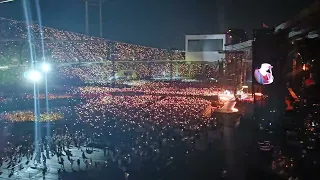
45 67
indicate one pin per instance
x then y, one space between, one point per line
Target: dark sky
159 23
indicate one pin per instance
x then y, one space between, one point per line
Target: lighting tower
220 4
93 3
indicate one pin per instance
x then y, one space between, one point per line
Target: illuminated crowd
55 114
104 72
107 56
25 116
146 132
64 46
50 96
156 88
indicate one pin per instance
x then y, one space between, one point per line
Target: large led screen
263 75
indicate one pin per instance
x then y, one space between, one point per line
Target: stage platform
228 115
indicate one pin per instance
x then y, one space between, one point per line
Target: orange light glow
305 67
293 94
235 109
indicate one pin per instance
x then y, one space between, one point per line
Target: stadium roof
304 24
240 46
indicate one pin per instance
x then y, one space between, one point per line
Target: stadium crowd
103 72
142 135
64 46
154 88
69 47
25 116
150 130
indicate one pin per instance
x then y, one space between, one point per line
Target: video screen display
263 75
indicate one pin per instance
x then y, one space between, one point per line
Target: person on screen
264 74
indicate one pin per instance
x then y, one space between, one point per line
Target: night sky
159 23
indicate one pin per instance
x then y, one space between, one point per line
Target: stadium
91 59
75 106
94 81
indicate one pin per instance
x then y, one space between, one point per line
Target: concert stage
228 115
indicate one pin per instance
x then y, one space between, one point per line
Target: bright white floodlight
45 67
34 76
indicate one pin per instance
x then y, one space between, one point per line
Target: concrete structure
205 47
